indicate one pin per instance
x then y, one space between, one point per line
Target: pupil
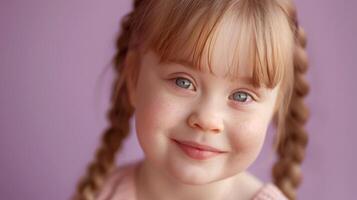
241 96
183 83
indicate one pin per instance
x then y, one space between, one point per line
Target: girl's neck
153 184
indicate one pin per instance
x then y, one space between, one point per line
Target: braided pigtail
291 148
119 116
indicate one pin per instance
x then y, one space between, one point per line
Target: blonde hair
273 43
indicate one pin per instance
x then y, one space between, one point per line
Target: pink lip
198 151
199 146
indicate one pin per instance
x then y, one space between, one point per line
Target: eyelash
249 96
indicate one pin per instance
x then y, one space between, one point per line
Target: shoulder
255 189
119 181
269 192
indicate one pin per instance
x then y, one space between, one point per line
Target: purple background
55 83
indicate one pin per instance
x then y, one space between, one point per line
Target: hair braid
291 149
119 116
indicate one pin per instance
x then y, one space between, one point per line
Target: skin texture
205 112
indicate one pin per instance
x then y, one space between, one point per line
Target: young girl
205 78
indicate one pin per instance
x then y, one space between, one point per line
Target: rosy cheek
157 111
249 137
148 116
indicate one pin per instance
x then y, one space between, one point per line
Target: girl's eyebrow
234 79
182 62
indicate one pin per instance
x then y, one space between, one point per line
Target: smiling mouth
197 151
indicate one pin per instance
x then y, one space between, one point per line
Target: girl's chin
192 181
192 176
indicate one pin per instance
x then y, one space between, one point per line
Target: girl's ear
131 65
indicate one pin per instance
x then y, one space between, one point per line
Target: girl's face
174 103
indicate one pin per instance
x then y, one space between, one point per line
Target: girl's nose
206 122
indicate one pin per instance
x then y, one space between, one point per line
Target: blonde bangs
260 36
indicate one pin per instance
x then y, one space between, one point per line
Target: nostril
206 123
197 126
216 130
213 127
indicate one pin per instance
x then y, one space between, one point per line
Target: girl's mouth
197 151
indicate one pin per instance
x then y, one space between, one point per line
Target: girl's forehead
224 56
241 41
221 55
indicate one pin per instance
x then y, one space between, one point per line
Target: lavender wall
53 95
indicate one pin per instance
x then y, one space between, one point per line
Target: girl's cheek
158 110
248 137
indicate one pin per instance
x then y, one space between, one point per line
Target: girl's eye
184 83
241 96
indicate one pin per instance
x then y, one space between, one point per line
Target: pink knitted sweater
121 186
